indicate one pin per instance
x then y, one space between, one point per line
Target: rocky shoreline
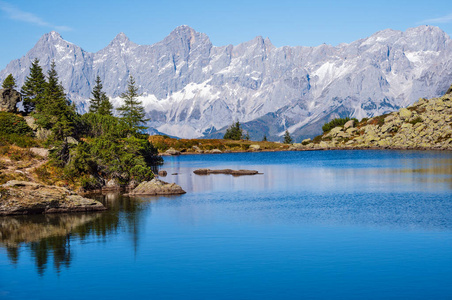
425 125
22 197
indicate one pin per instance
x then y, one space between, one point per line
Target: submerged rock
22 197
157 187
225 171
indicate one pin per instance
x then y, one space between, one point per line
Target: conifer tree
33 89
97 96
247 136
100 103
234 132
105 108
132 111
55 111
9 82
287 138
264 139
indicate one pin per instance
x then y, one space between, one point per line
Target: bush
317 139
13 124
15 131
90 183
108 157
141 173
336 122
18 140
416 120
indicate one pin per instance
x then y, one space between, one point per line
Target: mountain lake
314 225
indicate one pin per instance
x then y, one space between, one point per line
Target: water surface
320 224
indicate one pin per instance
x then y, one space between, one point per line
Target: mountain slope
426 124
191 88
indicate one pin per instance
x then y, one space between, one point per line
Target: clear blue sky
93 24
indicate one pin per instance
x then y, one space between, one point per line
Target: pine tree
9 82
132 111
287 138
264 139
234 132
247 136
96 96
33 89
55 111
105 108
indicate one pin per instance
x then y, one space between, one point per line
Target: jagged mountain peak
51 36
121 37
189 85
182 28
186 35
121 40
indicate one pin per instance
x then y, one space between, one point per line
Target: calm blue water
314 225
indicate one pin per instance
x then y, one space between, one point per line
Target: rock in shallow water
157 187
225 171
22 197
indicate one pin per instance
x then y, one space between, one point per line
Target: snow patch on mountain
191 88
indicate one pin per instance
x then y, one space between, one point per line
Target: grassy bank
163 143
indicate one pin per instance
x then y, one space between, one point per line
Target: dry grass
163 143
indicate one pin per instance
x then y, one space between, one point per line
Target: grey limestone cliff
191 88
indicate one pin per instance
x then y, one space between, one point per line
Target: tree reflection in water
51 235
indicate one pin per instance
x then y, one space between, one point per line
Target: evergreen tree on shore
9 82
234 132
287 138
132 111
33 89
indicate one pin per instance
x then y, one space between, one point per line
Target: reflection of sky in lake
318 171
323 224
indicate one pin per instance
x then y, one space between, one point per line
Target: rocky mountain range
191 88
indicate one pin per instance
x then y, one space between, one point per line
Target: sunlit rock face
191 88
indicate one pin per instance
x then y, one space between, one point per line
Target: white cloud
15 13
444 19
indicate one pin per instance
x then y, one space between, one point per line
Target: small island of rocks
156 187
